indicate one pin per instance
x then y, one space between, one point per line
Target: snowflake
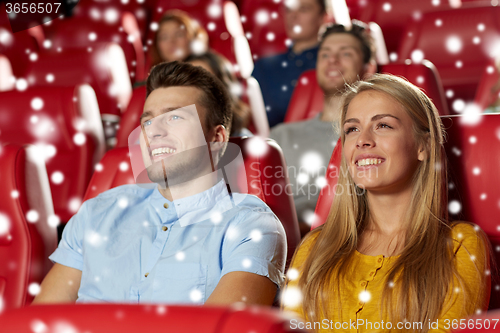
472 114
99 167
292 274
216 217
454 44
32 216
458 105
297 29
387 7
364 296
153 26
79 139
476 171
123 166
256 235
214 11
33 56
302 178
38 326
21 84
57 177
180 256
53 221
417 56
34 289
37 103
292 297
161 310
4 224
454 207
257 146
393 56
74 204
449 93
321 182
262 17
123 203
211 26
14 194
472 139
270 36
195 295
246 263
111 15
311 162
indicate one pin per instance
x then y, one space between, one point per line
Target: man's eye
147 123
175 117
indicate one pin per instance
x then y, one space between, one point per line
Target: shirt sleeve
472 262
69 252
256 244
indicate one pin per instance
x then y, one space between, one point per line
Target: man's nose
156 129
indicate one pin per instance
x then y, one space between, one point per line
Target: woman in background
177 37
218 65
387 251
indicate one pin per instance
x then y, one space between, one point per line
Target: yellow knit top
362 294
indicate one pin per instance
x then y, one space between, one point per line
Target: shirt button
146 275
363 284
164 228
360 303
371 273
165 205
379 259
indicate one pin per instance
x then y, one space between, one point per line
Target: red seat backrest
24 246
76 66
487 92
56 126
76 32
265 27
308 98
128 318
466 36
17 48
130 118
266 176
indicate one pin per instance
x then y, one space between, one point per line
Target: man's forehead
171 98
340 40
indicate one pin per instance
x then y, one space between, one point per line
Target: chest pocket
180 283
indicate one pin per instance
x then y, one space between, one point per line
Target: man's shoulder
270 61
283 130
128 191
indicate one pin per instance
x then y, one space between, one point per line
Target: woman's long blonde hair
423 272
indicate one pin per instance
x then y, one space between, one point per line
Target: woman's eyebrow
374 118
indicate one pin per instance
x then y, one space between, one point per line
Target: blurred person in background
218 65
495 106
177 37
278 75
344 57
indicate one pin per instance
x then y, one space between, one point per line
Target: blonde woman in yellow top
387 258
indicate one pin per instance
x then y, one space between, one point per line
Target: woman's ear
423 148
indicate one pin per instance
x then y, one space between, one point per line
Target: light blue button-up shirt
130 248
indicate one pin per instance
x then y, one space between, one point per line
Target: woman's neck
385 229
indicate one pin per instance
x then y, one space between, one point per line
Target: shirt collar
209 204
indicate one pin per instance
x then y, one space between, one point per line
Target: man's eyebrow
374 118
165 110
342 48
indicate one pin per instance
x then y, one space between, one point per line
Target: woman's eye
350 129
383 125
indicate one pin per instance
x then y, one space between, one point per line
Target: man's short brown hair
216 99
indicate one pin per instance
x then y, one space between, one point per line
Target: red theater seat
17 48
487 91
103 68
80 32
460 44
125 318
130 118
265 174
24 245
307 98
7 79
65 123
265 27
100 10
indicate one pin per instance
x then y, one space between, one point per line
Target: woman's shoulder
305 247
469 237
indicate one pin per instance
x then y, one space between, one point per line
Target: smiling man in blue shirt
186 239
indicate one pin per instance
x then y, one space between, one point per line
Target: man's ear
369 69
219 137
